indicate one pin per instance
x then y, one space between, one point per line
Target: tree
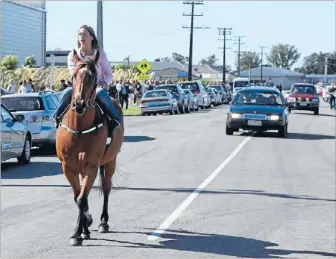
30 62
283 55
179 58
210 60
315 63
9 63
249 59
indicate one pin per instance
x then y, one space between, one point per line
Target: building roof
204 69
156 66
270 72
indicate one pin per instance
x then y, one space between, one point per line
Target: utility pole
192 28
261 61
100 31
224 32
239 43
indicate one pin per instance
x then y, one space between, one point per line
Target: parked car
197 88
258 109
303 96
221 91
213 96
192 100
178 94
38 109
158 101
15 137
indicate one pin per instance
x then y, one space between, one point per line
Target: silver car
38 109
15 137
158 101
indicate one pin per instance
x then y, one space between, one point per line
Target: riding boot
65 101
105 102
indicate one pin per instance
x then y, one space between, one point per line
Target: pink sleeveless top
103 66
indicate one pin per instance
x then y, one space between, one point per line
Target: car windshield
23 103
217 87
239 84
151 94
304 89
258 98
171 88
191 86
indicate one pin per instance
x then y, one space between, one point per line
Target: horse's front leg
84 218
106 174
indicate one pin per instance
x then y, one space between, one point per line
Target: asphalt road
270 198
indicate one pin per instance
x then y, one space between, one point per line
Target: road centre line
185 204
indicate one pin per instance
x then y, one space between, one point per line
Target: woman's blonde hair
95 44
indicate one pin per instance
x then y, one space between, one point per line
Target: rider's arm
106 69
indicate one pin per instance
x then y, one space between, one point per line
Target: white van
240 83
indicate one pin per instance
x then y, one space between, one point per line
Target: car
38 109
257 109
303 96
15 137
178 94
198 89
192 100
223 92
158 101
213 96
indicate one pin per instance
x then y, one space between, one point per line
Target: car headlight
315 100
273 117
291 100
235 115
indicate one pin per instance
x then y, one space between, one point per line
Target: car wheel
26 153
282 132
316 111
228 131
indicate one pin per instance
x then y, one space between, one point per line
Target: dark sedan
258 109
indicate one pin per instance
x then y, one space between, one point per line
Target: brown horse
81 146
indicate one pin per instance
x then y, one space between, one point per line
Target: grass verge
132 111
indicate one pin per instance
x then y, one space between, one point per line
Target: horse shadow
214 244
134 139
32 170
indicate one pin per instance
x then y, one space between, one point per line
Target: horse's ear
97 57
75 56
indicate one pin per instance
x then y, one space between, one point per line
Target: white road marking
185 204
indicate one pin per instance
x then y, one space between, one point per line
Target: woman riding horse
87 44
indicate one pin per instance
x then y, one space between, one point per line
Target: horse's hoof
76 241
103 228
86 236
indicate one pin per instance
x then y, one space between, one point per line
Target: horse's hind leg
106 172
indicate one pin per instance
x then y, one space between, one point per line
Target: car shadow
290 135
188 191
32 170
134 139
212 244
320 115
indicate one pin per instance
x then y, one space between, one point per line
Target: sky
152 29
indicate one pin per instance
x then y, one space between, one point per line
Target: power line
239 43
225 32
261 61
192 28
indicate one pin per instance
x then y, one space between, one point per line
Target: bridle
90 102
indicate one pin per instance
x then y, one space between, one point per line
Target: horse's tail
101 182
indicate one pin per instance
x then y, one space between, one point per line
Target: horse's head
84 84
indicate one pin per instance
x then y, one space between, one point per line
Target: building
276 75
23 30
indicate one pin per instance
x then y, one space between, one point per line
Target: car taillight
34 118
196 92
142 101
